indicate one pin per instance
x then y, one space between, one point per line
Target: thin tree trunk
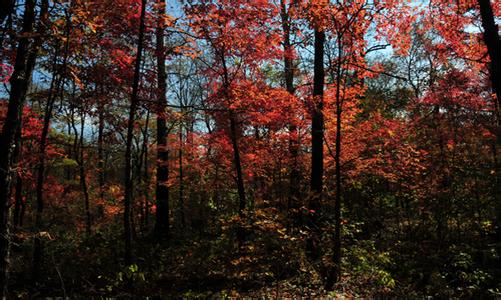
181 177
335 272
18 203
83 180
100 150
145 176
289 85
238 164
162 188
143 164
128 183
55 86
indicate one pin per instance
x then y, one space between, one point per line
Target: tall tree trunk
317 124
234 141
128 183
162 188
100 150
335 272
238 164
18 198
181 177
145 174
317 145
83 180
55 86
289 85
19 84
493 43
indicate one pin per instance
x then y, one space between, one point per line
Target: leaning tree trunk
162 188
128 183
19 84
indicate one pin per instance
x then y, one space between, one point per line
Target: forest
250 149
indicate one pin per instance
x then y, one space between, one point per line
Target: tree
162 188
24 64
134 101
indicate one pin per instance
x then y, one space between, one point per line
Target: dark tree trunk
491 39
18 198
19 84
234 140
317 125
181 177
238 164
55 86
289 85
100 151
83 180
493 43
128 182
143 165
335 272
162 188
317 146
18 204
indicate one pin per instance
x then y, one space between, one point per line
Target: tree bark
162 188
238 164
289 86
18 204
100 150
128 182
83 180
181 177
317 124
19 85
493 43
335 272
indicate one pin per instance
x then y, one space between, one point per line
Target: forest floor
270 263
